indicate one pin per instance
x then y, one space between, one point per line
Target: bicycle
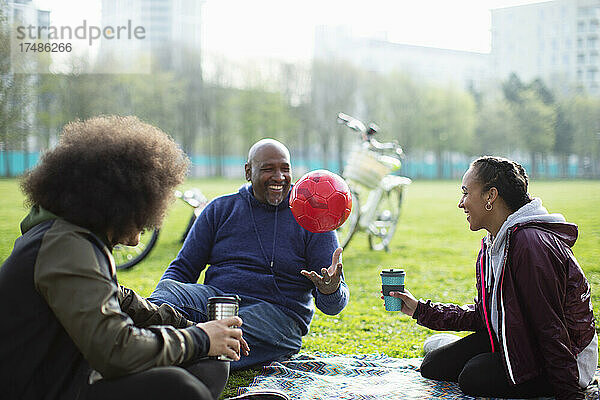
369 172
126 257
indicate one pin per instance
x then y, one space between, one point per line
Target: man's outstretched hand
329 281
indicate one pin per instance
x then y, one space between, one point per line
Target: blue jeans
271 334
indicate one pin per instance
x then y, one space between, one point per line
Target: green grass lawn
433 244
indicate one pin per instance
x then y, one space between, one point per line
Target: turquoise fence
414 168
14 163
232 166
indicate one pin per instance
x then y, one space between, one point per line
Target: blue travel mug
392 280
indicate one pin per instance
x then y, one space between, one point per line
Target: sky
283 29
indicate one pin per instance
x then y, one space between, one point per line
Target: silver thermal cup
220 307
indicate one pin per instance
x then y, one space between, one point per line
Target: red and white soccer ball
321 201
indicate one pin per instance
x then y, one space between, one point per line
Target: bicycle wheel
382 228
128 256
189 227
346 231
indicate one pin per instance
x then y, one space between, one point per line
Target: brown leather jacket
545 312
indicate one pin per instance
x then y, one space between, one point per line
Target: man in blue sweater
257 250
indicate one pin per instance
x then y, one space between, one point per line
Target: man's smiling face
269 171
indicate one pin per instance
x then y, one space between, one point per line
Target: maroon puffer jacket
545 312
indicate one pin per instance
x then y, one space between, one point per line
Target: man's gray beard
276 204
283 196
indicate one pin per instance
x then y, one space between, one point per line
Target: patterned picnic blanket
354 377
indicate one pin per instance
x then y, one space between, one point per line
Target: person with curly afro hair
69 330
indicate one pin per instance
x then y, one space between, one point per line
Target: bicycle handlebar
194 197
351 123
367 133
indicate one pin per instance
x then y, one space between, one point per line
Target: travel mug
220 307
392 280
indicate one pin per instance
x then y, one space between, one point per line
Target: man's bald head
264 143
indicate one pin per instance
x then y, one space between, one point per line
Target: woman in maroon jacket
533 320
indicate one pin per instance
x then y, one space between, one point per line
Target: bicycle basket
368 168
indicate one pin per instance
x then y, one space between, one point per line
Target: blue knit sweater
238 236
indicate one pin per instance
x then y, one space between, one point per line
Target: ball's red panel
309 223
299 206
324 188
340 185
320 201
306 188
337 204
328 222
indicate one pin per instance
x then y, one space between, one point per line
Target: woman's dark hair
505 175
108 174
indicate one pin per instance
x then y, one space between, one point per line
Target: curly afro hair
109 174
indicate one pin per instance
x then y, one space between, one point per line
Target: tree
585 116
397 103
512 88
534 113
449 123
496 127
535 125
295 87
333 89
15 99
563 144
188 114
258 113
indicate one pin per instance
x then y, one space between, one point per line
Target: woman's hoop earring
488 206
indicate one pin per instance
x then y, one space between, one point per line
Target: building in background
434 65
558 41
172 32
24 12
